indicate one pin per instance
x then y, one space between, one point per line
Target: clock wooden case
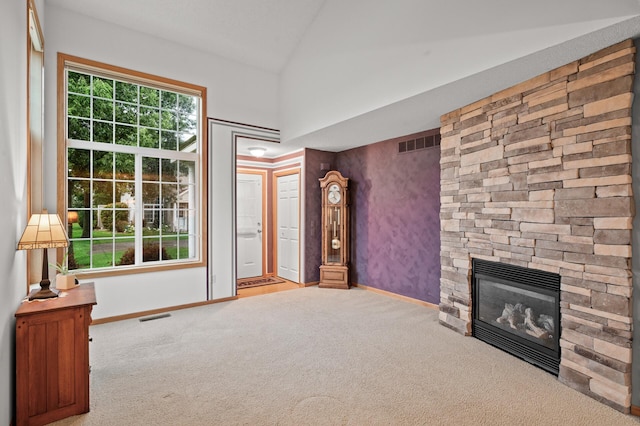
334 270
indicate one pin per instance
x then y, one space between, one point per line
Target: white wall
235 92
360 56
635 236
127 294
13 160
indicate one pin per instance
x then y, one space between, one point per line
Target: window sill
138 270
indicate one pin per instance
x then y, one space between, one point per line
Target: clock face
334 194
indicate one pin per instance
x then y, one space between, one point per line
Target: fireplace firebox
517 310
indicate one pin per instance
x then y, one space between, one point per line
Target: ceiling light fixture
257 151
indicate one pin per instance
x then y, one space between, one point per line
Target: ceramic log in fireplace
517 310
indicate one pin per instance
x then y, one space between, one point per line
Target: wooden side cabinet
52 356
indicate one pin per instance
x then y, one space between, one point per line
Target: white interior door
249 224
288 225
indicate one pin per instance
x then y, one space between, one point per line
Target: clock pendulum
335 242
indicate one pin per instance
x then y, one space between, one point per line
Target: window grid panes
133 173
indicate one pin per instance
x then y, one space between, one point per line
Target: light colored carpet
318 357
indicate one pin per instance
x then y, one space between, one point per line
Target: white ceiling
272 34
260 33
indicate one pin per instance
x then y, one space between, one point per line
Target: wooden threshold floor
269 288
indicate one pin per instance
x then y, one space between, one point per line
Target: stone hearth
539 176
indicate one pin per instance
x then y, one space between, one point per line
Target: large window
133 147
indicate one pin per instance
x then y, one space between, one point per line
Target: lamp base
43 293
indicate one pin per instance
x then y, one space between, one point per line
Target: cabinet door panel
37 337
66 363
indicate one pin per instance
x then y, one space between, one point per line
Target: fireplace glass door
524 313
518 310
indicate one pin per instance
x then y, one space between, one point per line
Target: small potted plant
64 280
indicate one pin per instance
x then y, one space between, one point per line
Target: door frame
265 227
276 175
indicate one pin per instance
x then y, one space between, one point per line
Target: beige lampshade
43 231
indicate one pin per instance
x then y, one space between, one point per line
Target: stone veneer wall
539 175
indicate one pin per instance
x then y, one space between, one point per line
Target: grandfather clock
334 271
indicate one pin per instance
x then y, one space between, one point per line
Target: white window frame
197 242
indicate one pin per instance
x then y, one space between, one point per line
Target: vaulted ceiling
260 33
397 65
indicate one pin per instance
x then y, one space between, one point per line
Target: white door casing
223 138
249 224
288 226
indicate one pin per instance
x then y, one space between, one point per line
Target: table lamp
43 231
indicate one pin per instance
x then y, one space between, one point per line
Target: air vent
154 317
419 143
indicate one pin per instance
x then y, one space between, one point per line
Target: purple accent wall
395 206
312 205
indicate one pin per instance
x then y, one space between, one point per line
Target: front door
288 226
249 224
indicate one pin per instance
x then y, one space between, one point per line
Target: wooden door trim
263 175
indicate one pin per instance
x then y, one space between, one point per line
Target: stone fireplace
539 176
